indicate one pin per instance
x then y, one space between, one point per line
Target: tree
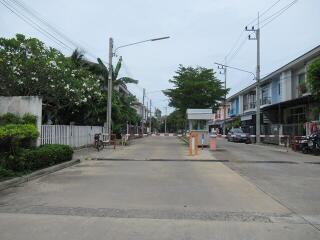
102 70
195 88
29 68
122 111
313 78
176 121
77 57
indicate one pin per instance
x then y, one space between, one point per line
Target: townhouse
286 103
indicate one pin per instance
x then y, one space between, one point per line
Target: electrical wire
234 45
33 18
238 49
41 19
264 12
34 25
242 32
277 14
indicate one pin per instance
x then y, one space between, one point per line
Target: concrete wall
21 105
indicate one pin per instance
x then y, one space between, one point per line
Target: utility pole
257 38
150 118
225 95
109 104
165 122
147 115
143 110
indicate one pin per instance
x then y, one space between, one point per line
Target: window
301 78
279 88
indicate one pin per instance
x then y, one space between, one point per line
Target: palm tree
77 57
102 70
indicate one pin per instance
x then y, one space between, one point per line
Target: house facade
285 101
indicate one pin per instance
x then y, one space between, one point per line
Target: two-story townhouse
290 104
219 117
284 99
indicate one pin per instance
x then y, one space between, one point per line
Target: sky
201 32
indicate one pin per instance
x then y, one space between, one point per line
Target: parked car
237 135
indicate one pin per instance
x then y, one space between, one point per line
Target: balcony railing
251 105
265 100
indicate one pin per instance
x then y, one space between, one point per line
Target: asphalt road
150 190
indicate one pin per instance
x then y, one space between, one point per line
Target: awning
293 102
217 122
246 117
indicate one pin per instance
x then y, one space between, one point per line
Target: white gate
74 136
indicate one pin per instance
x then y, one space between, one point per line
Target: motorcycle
311 144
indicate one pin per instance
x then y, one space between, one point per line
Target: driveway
149 190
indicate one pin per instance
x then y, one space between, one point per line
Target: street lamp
111 54
257 105
239 69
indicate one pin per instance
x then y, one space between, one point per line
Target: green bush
13 136
45 156
10 118
41 157
29 119
4 173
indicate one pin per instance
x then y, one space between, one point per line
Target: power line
234 45
264 12
33 24
234 53
235 50
238 49
33 18
277 14
45 22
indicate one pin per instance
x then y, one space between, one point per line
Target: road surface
150 190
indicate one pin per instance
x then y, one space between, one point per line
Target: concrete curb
42 172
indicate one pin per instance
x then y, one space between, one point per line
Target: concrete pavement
122 197
289 177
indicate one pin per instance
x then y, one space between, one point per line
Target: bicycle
98 143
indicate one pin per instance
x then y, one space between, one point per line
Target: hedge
41 157
10 118
14 136
17 132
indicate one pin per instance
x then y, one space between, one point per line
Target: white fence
74 136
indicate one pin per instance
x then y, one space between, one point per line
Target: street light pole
150 118
224 66
109 89
111 53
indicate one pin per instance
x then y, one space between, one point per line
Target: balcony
266 100
251 105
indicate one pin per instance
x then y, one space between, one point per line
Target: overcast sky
202 32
